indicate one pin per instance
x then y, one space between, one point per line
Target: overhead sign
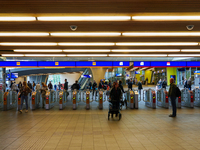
168 64
18 63
56 64
193 64
142 64
121 64
94 64
196 72
14 75
137 72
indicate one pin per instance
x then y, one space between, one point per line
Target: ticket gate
18 101
87 99
49 100
10 100
149 98
1 98
36 101
162 98
75 98
101 94
187 98
132 99
62 99
196 92
6 101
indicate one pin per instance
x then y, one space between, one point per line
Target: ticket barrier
36 101
102 98
18 102
10 100
132 99
187 98
196 92
62 99
87 99
1 98
149 98
162 98
75 98
49 100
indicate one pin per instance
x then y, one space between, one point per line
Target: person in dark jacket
19 85
185 83
172 95
139 87
30 86
164 84
94 86
100 85
75 86
189 84
66 85
130 84
90 85
121 86
116 94
50 86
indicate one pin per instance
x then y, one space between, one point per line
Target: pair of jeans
23 97
43 101
173 101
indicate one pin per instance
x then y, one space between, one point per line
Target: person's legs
22 101
173 101
26 101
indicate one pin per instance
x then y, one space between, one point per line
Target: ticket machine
100 99
87 99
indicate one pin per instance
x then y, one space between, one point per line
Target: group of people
162 84
188 83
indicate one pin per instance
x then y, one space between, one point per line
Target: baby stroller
114 108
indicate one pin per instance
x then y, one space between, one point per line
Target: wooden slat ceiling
98 7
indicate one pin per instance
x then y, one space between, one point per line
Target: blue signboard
168 64
118 75
193 64
86 76
137 72
14 75
142 64
18 63
196 72
56 63
121 63
94 64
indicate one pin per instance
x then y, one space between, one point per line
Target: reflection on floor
79 129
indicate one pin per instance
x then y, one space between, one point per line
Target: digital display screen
118 75
14 75
137 72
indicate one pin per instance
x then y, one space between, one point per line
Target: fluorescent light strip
17 19
38 50
165 18
156 44
28 44
86 50
12 55
87 34
137 55
87 55
190 50
184 55
45 55
23 34
161 34
85 18
145 50
86 44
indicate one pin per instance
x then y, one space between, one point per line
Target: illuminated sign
121 63
168 64
193 64
94 64
56 64
142 64
18 63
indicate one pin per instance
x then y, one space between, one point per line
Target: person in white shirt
14 87
38 87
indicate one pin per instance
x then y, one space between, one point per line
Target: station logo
121 63
18 63
168 63
94 63
56 63
142 63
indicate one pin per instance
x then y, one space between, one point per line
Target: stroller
114 108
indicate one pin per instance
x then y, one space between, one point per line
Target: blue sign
142 64
196 72
168 64
56 63
118 75
121 64
193 64
8 75
18 63
14 75
86 76
94 64
137 72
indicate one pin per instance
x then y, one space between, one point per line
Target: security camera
73 27
190 27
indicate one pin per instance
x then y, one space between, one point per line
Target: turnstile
75 98
196 92
1 98
49 100
132 99
10 100
149 98
187 98
87 99
36 101
101 95
162 98
62 99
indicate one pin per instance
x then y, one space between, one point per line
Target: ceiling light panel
87 34
190 50
145 50
166 18
184 55
23 34
87 55
86 44
137 55
161 33
12 55
28 44
157 44
38 50
17 19
85 18
44 55
86 50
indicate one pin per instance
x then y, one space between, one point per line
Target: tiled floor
140 129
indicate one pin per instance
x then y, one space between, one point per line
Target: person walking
43 92
38 87
94 86
24 95
60 86
19 85
164 84
50 86
130 84
146 81
160 84
66 85
172 95
100 85
33 86
121 86
30 86
185 83
75 86
139 87
189 84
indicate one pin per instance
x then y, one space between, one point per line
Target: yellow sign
18 63
56 63
94 63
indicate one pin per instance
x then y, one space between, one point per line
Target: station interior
68 59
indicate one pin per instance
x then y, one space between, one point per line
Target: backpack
178 92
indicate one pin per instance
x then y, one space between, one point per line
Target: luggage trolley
150 98
162 98
187 98
196 92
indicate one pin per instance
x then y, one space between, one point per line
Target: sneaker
172 115
26 111
20 111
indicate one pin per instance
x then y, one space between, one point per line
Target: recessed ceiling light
87 55
86 44
87 34
38 50
17 18
86 50
23 34
45 55
156 44
137 55
12 55
161 34
165 18
145 50
28 44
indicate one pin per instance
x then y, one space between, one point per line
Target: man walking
172 95
66 85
